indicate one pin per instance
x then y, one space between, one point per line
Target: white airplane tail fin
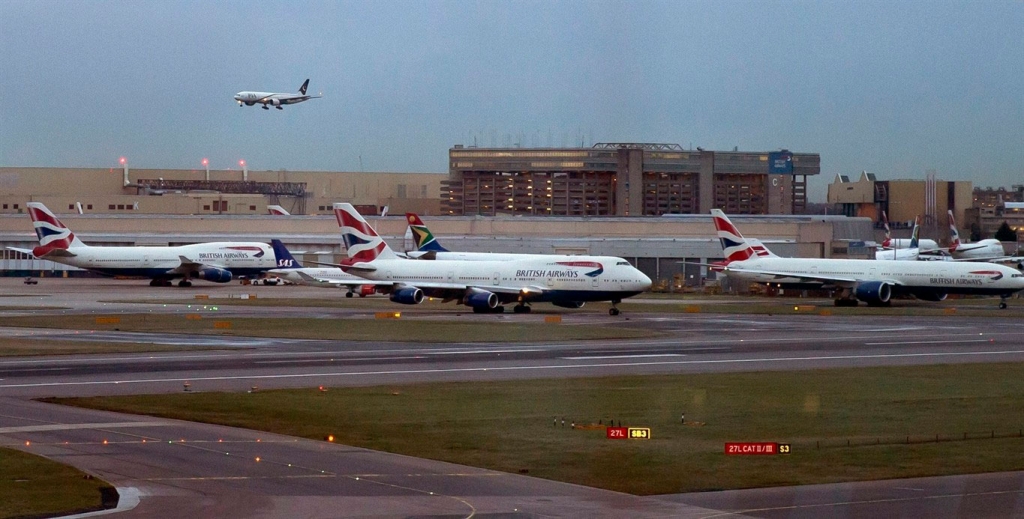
954 236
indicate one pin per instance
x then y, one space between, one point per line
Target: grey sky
894 88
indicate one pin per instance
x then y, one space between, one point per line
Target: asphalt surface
186 469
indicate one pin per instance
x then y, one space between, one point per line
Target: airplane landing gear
279 108
1002 302
348 294
614 309
184 283
265 107
843 301
521 309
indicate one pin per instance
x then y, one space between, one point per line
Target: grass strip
377 330
33 486
516 426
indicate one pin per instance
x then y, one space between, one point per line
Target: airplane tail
734 246
759 249
277 210
361 241
285 260
954 236
53 235
425 241
914 244
888 233
302 89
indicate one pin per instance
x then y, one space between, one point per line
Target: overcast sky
894 88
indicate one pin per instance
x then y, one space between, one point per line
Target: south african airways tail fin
425 240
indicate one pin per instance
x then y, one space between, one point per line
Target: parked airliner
984 250
289 269
218 262
268 99
904 243
487 285
911 253
870 281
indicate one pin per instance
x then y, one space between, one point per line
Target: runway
214 471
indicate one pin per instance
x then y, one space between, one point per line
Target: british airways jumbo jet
268 99
487 285
870 281
218 262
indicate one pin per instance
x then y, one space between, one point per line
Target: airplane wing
188 266
52 253
337 283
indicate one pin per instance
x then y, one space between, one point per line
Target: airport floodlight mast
206 164
245 170
124 167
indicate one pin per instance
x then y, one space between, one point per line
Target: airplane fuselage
558 279
240 258
904 276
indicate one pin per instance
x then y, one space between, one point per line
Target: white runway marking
591 357
76 426
924 342
525 368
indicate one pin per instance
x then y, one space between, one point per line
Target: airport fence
912 439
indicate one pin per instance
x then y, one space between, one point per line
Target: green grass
33 486
507 426
378 330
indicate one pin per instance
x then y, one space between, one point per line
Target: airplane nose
645 282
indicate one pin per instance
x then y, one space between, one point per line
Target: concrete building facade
624 179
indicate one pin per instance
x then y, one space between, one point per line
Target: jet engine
481 299
569 304
874 293
275 102
214 274
366 290
407 296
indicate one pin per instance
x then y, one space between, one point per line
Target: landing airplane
218 262
487 285
268 99
289 269
870 281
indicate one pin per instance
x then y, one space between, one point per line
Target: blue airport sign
780 162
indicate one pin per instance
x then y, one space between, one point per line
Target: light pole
206 164
245 171
124 166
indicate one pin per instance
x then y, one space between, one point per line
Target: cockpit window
622 263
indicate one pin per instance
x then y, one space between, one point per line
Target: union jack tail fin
954 236
425 240
734 246
361 241
284 257
53 235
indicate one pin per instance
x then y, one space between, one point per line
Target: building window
206 208
252 208
129 207
71 207
110 207
15 206
5 206
89 207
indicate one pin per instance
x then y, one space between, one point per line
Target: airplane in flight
276 210
218 262
291 270
487 285
870 281
268 99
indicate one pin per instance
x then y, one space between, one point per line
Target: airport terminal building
648 203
